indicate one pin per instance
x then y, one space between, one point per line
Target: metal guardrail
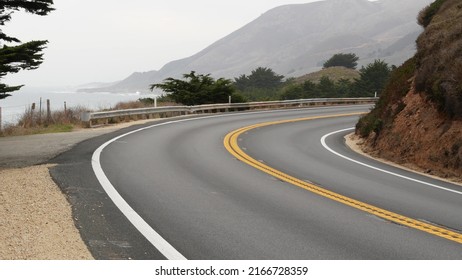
159 112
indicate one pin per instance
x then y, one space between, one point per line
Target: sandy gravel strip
36 219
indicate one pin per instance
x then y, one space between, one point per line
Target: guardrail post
85 118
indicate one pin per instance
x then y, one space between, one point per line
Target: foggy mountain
297 39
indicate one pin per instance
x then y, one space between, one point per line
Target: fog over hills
295 40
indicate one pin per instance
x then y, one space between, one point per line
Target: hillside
296 39
418 120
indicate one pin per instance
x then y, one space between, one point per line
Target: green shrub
368 124
397 87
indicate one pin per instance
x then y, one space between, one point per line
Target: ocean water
14 106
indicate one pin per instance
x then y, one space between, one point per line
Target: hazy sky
107 40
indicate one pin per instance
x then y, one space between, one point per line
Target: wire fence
39 113
14 107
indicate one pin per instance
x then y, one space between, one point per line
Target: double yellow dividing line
231 144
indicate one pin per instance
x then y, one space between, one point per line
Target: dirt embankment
421 138
418 119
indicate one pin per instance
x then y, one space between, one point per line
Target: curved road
179 178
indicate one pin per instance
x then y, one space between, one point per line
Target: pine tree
260 78
373 78
20 56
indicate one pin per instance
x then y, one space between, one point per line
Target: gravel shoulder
36 218
37 222
23 151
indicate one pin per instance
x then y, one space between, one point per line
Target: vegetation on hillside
332 82
263 84
426 15
336 74
439 56
397 87
371 80
418 120
261 78
325 88
436 69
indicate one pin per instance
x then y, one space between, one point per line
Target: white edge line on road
323 142
144 228
138 222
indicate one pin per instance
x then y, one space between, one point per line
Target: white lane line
144 228
323 142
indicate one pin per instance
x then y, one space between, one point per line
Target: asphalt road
206 204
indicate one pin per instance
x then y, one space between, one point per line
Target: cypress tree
19 56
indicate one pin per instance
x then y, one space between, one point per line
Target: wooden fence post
32 120
48 111
40 111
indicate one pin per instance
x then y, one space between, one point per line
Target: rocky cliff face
296 39
418 120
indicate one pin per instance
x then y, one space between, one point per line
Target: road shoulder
38 216
37 221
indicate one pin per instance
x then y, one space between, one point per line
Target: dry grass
426 15
422 125
439 58
31 122
130 105
141 103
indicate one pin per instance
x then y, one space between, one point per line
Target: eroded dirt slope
418 120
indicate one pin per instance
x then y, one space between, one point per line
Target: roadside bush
368 124
397 87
